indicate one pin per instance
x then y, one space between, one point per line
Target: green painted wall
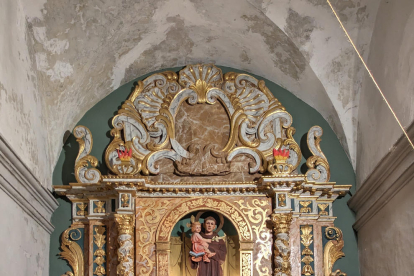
98 120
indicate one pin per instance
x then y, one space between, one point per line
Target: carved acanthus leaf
72 252
333 251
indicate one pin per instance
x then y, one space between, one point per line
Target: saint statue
215 251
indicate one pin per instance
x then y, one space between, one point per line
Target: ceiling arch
84 51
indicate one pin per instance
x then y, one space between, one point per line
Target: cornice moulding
391 174
19 183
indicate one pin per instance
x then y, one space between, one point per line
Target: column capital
125 223
281 222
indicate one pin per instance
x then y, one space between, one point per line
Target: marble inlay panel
202 124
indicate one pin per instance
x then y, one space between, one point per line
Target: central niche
181 245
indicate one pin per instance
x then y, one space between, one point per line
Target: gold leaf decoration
281 225
99 240
305 208
145 124
306 240
246 264
322 207
257 214
82 207
333 251
72 252
84 174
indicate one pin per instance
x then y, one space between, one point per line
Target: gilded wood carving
259 122
149 214
222 206
307 240
72 252
333 251
257 212
138 209
100 241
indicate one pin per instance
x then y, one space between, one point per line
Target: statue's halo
220 216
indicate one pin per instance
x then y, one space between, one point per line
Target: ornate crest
146 122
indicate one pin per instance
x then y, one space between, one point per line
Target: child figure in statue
200 245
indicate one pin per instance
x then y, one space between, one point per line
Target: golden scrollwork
281 225
99 207
82 207
246 264
319 170
305 208
72 252
307 240
257 214
117 166
82 173
333 251
149 215
322 207
214 204
291 144
99 240
145 124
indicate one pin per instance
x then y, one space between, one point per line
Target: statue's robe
213 268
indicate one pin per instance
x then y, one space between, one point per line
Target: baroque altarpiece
194 142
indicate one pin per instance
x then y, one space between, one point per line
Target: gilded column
125 225
281 225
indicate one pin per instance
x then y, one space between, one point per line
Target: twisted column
281 224
125 225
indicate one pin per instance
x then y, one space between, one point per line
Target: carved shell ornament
144 129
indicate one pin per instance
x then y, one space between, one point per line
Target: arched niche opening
180 244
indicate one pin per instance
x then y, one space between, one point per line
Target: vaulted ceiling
83 50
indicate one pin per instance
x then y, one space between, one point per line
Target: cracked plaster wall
312 27
391 62
389 249
24 242
22 123
22 120
85 50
